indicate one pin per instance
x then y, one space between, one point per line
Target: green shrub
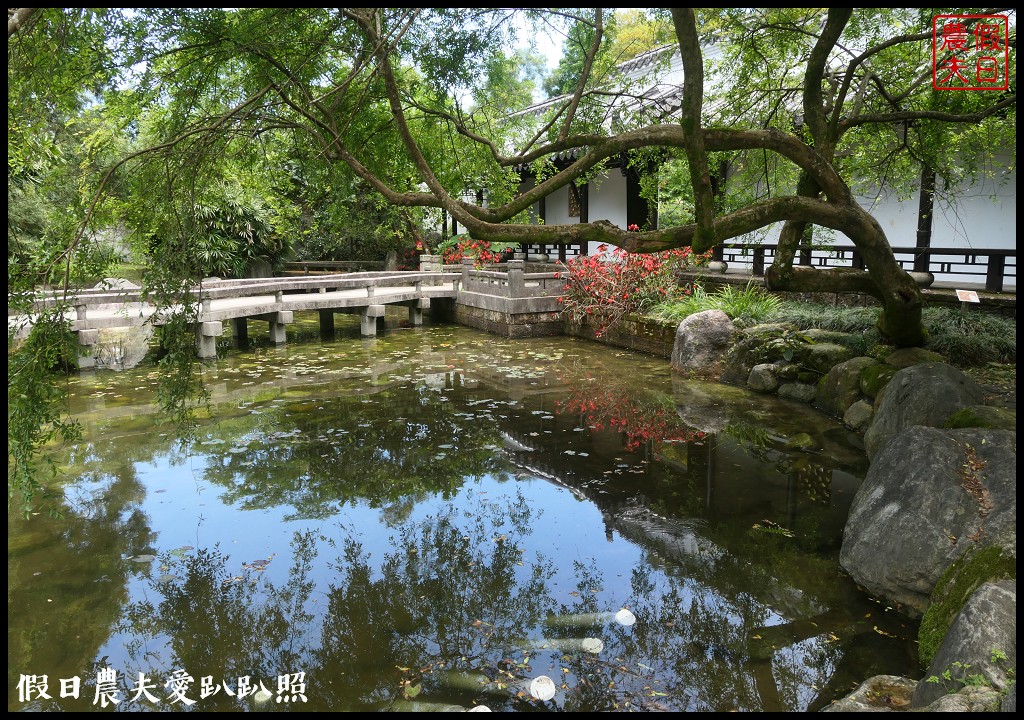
970 338
966 339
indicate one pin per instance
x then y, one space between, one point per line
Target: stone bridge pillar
416 311
87 339
368 317
240 332
206 338
430 263
326 322
277 322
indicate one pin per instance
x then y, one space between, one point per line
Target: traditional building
975 221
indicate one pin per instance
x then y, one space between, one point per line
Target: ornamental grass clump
750 304
601 289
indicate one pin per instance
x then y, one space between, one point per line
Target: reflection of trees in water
213 622
455 594
67 577
384 451
451 594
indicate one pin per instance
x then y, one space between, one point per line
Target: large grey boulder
702 340
919 395
927 496
763 378
980 646
822 357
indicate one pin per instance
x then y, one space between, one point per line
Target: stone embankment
932 530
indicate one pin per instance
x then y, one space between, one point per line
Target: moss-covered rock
875 377
834 337
840 388
983 416
808 377
822 357
980 565
905 357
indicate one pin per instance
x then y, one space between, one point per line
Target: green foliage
749 303
180 390
638 30
970 338
958 674
966 339
37 401
574 51
841 318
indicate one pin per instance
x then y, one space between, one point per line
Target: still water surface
437 517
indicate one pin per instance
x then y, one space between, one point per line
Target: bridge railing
515 283
247 287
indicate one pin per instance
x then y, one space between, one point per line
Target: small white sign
967 296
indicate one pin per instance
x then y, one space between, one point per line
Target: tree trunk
900 318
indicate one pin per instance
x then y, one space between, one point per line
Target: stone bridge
489 299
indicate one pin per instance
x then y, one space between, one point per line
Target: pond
439 518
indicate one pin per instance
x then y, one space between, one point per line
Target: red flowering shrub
600 289
458 247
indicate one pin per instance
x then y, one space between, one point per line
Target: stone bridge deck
275 300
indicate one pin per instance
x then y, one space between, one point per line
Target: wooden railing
996 268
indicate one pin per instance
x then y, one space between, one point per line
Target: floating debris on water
542 687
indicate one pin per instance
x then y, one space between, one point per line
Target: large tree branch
588 64
894 117
814 102
693 100
17 18
601 148
852 66
857 61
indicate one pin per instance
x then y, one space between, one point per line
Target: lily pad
143 558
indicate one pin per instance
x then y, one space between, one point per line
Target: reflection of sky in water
665 529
